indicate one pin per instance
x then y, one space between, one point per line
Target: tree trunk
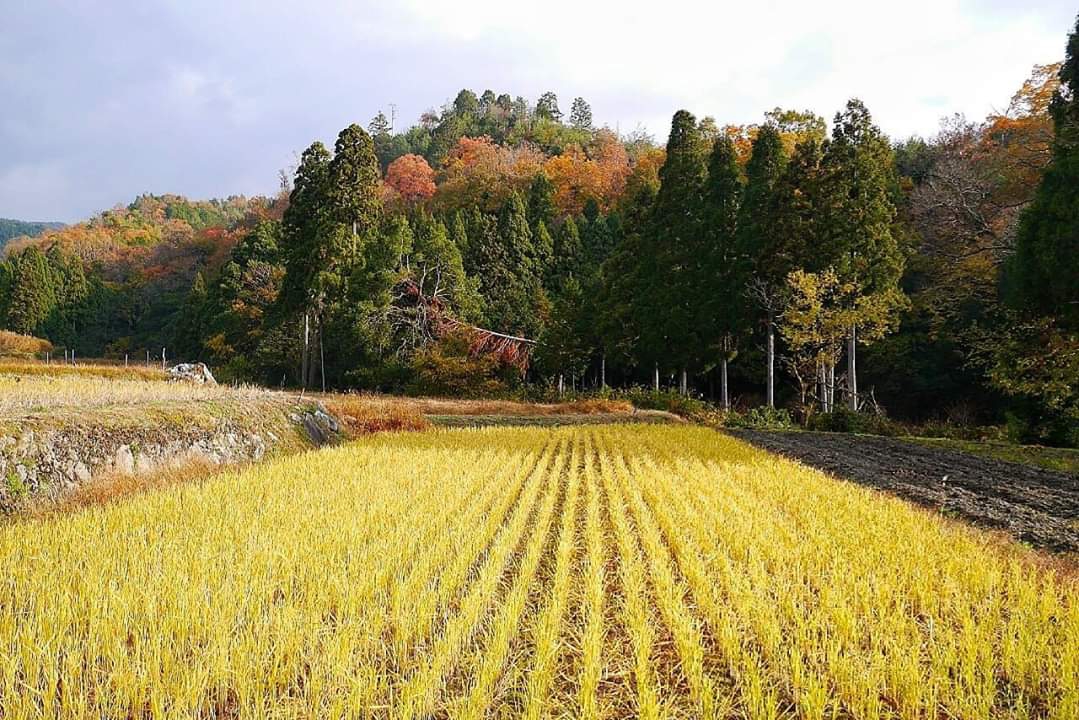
852 367
723 385
321 360
304 356
771 390
684 385
831 388
822 387
561 384
603 371
655 382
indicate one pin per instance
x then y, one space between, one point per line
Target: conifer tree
33 292
597 236
541 207
459 234
767 163
567 257
353 190
547 107
193 322
304 224
722 278
505 262
675 240
543 248
580 114
437 261
856 214
1042 277
379 125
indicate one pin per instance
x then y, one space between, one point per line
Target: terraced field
594 572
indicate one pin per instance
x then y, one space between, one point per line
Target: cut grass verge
1050 458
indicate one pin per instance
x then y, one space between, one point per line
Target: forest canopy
500 243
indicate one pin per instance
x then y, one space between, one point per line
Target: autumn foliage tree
412 178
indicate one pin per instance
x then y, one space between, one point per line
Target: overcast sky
101 101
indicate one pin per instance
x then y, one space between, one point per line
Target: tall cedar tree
436 263
303 227
567 258
33 293
1042 278
857 212
723 278
542 248
504 259
598 236
580 114
541 207
676 239
353 190
754 238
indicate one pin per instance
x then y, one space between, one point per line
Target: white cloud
105 101
911 63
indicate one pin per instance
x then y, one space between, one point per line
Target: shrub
447 367
760 418
843 419
672 402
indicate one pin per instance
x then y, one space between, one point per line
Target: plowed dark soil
1037 506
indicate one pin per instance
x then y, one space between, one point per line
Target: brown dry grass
13 344
452 406
108 371
366 414
116 486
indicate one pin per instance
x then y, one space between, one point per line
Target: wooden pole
723 385
771 380
852 369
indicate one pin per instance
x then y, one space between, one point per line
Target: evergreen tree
567 258
722 281
1042 277
379 125
33 292
304 224
439 269
857 213
563 350
64 320
543 248
312 245
793 239
547 107
580 114
505 262
191 328
767 163
541 207
458 233
676 240
353 190
7 283
597 238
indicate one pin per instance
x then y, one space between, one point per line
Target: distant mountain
17 228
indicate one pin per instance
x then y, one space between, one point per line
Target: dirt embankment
1037 506
46 454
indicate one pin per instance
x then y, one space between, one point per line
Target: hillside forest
505 246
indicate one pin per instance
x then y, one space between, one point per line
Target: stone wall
44 457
